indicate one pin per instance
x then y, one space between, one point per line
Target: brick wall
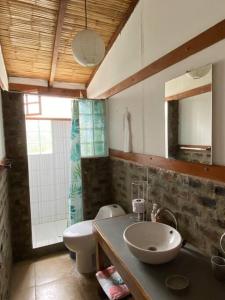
96 185
198 204
15 141
203 156
5 241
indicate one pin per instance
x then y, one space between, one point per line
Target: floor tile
89 288
53 268
25 294
23 276
48 233
53 277
68 289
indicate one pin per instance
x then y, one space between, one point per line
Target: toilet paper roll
138 206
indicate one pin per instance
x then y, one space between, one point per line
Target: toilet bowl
79 238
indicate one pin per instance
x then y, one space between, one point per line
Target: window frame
27 103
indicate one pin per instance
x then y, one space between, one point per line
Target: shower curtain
75 195
88 128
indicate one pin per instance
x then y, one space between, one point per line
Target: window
32 105
92 128
39 137
41 111
45 107
56 107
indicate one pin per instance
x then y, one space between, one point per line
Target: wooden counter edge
134 286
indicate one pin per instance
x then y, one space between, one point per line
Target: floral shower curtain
75 196
89 139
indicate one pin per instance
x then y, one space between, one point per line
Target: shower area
54 153
48 127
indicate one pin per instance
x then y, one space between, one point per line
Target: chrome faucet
157 211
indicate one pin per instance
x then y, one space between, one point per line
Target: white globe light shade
88 48
199 72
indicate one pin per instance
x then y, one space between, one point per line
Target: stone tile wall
199 204
96 185
5 239
15 141
203 157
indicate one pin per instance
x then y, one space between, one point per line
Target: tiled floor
48 233
52 278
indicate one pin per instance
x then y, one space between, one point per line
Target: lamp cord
85 7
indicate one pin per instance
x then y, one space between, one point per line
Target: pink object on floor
112 283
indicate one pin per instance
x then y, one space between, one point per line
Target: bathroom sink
152 242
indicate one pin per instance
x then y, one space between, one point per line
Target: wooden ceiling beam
47 91
115 35
61 14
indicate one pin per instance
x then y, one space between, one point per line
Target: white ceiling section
3 75
155 28
123 59
2 140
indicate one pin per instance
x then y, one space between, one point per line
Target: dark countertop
203 285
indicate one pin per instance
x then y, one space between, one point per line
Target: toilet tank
109 211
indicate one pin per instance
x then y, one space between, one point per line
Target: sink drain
152 248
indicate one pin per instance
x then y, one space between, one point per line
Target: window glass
47 107
56 107
32 105
91 122
33 108
39 137
92 128
32 98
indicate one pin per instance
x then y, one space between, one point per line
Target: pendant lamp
87 46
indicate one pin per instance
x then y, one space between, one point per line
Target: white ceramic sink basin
152 242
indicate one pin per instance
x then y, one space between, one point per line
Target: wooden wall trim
212 172
135 287
46 91
190 93
205 39
3 164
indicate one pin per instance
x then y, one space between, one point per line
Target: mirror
189 116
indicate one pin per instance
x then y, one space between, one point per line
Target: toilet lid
80 229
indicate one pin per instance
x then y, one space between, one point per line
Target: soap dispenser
154 212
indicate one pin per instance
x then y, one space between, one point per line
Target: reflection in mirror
189 116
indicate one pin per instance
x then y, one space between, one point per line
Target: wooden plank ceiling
28 34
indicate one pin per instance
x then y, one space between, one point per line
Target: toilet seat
80 236
81 229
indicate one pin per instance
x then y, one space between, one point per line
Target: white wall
195 120
163 26
3 75
2 140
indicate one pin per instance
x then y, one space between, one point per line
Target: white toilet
79 238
